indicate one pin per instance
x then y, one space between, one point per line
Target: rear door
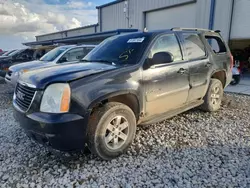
166 85
199 65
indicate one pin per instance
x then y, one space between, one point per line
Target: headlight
56 98
17 74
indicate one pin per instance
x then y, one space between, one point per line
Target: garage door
182 16
241 23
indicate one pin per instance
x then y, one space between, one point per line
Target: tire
236 80
104 137
213 97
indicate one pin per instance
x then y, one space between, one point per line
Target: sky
22 20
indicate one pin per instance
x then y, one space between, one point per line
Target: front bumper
65 132
2 73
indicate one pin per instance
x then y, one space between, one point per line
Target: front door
166 85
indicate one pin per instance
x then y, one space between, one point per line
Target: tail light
232 61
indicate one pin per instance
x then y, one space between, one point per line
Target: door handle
208 64
182 71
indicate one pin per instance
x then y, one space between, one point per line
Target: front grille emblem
20 95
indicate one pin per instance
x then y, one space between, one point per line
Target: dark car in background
21 56
18 56
7 53
57 56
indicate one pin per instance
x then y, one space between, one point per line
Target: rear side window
216 44
194 46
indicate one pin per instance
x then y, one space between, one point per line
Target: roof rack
191 29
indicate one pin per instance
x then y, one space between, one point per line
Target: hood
5 58
28 65
2 57
63 73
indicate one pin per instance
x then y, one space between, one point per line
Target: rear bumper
65 132
229 78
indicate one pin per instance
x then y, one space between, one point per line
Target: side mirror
24 56
63 59
162 57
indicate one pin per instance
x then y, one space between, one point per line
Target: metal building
229 16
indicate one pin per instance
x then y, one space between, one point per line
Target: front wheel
111 130
213 97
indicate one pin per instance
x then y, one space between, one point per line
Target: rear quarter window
216 44
195 48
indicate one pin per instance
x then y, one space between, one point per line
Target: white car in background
59 55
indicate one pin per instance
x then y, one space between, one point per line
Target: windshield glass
120 49
8 53
16 52
53 54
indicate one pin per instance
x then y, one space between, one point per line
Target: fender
114 94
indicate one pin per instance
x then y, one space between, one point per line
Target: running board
172 113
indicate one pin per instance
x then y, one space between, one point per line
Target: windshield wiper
99 61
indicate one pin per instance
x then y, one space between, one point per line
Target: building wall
113 16
222 17
67 33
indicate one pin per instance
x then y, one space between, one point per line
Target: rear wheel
111 130
213 97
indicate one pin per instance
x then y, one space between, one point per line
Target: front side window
74 55
167 43
120 49
194 46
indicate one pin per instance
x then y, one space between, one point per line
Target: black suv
138 78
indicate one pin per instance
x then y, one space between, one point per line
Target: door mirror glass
161 58
24 56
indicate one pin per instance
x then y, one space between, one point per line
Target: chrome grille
24 96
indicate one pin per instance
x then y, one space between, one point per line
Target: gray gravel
194 149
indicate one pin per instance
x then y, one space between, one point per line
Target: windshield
16 52
8 53
53 54
120 49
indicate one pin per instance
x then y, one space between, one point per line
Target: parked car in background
131 79
59 55
21 56
7 53
2 52
18 56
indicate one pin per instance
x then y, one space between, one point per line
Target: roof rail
190 29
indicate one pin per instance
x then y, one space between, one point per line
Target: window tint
167 43
216 44
194 46
121 49
76 54
53 54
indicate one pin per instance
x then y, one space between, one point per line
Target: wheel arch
220 75
129 98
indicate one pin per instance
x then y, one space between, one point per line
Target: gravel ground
194 149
